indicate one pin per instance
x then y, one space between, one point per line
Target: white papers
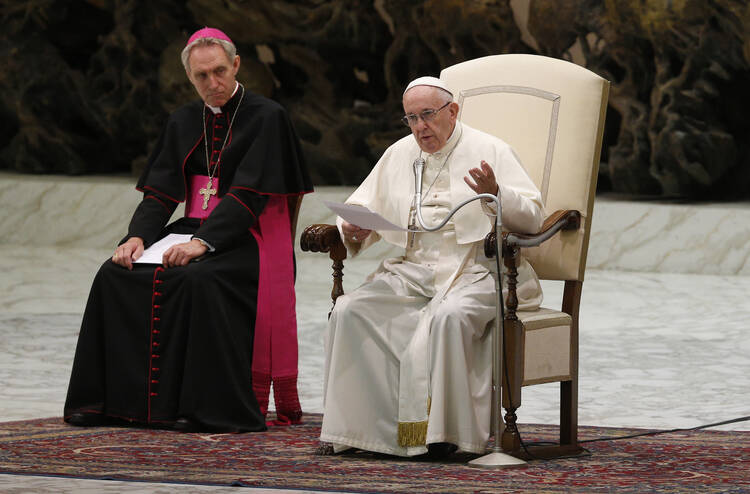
153 254
361 216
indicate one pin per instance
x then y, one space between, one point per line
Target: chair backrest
552 113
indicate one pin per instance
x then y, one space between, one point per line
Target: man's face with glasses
429 117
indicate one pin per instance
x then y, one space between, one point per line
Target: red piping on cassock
153 344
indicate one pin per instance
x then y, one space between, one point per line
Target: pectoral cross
412 225
207 192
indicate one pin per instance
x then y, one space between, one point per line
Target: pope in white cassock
408 353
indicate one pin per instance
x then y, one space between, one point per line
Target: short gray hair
229 49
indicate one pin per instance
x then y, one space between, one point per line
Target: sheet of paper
362 217
153 254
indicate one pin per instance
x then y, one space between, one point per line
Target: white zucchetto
428 81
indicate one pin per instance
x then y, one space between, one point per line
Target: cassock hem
372 446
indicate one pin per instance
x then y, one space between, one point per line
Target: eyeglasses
426 116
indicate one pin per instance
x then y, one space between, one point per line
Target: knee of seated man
452 315
342 305
200 273
350 308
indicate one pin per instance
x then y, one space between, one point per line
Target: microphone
418 170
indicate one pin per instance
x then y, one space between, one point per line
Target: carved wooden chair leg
511 440
338 277
512 356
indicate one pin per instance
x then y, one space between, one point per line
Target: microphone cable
668 431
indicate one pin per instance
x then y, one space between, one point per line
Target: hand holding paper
362 217
153 255
354 233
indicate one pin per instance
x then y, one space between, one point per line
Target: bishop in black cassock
197 344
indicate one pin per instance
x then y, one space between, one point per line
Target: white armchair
552 113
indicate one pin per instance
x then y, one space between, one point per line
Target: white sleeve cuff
489 207
204 243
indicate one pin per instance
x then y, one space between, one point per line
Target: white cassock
408 354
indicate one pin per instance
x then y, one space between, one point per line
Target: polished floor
664 338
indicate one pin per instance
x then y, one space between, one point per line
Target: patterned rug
700 461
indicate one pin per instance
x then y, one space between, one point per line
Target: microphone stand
496 458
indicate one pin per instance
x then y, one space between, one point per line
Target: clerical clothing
203 341
408 355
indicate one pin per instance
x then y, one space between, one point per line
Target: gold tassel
414 433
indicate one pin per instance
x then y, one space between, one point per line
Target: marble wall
93 213
670 238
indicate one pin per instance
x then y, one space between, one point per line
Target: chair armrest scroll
568 219
322 238
326 238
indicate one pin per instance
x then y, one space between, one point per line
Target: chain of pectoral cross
208 191
412 227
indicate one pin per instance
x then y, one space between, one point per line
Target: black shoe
324 449
440 451
184 424
86 419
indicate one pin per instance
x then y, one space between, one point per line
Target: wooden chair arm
567 219
326 238
321 238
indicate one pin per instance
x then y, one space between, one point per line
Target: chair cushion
543 318
546 346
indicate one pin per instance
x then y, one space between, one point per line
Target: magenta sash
275 343
195 199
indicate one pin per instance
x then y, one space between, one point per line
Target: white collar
217 109
450 143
